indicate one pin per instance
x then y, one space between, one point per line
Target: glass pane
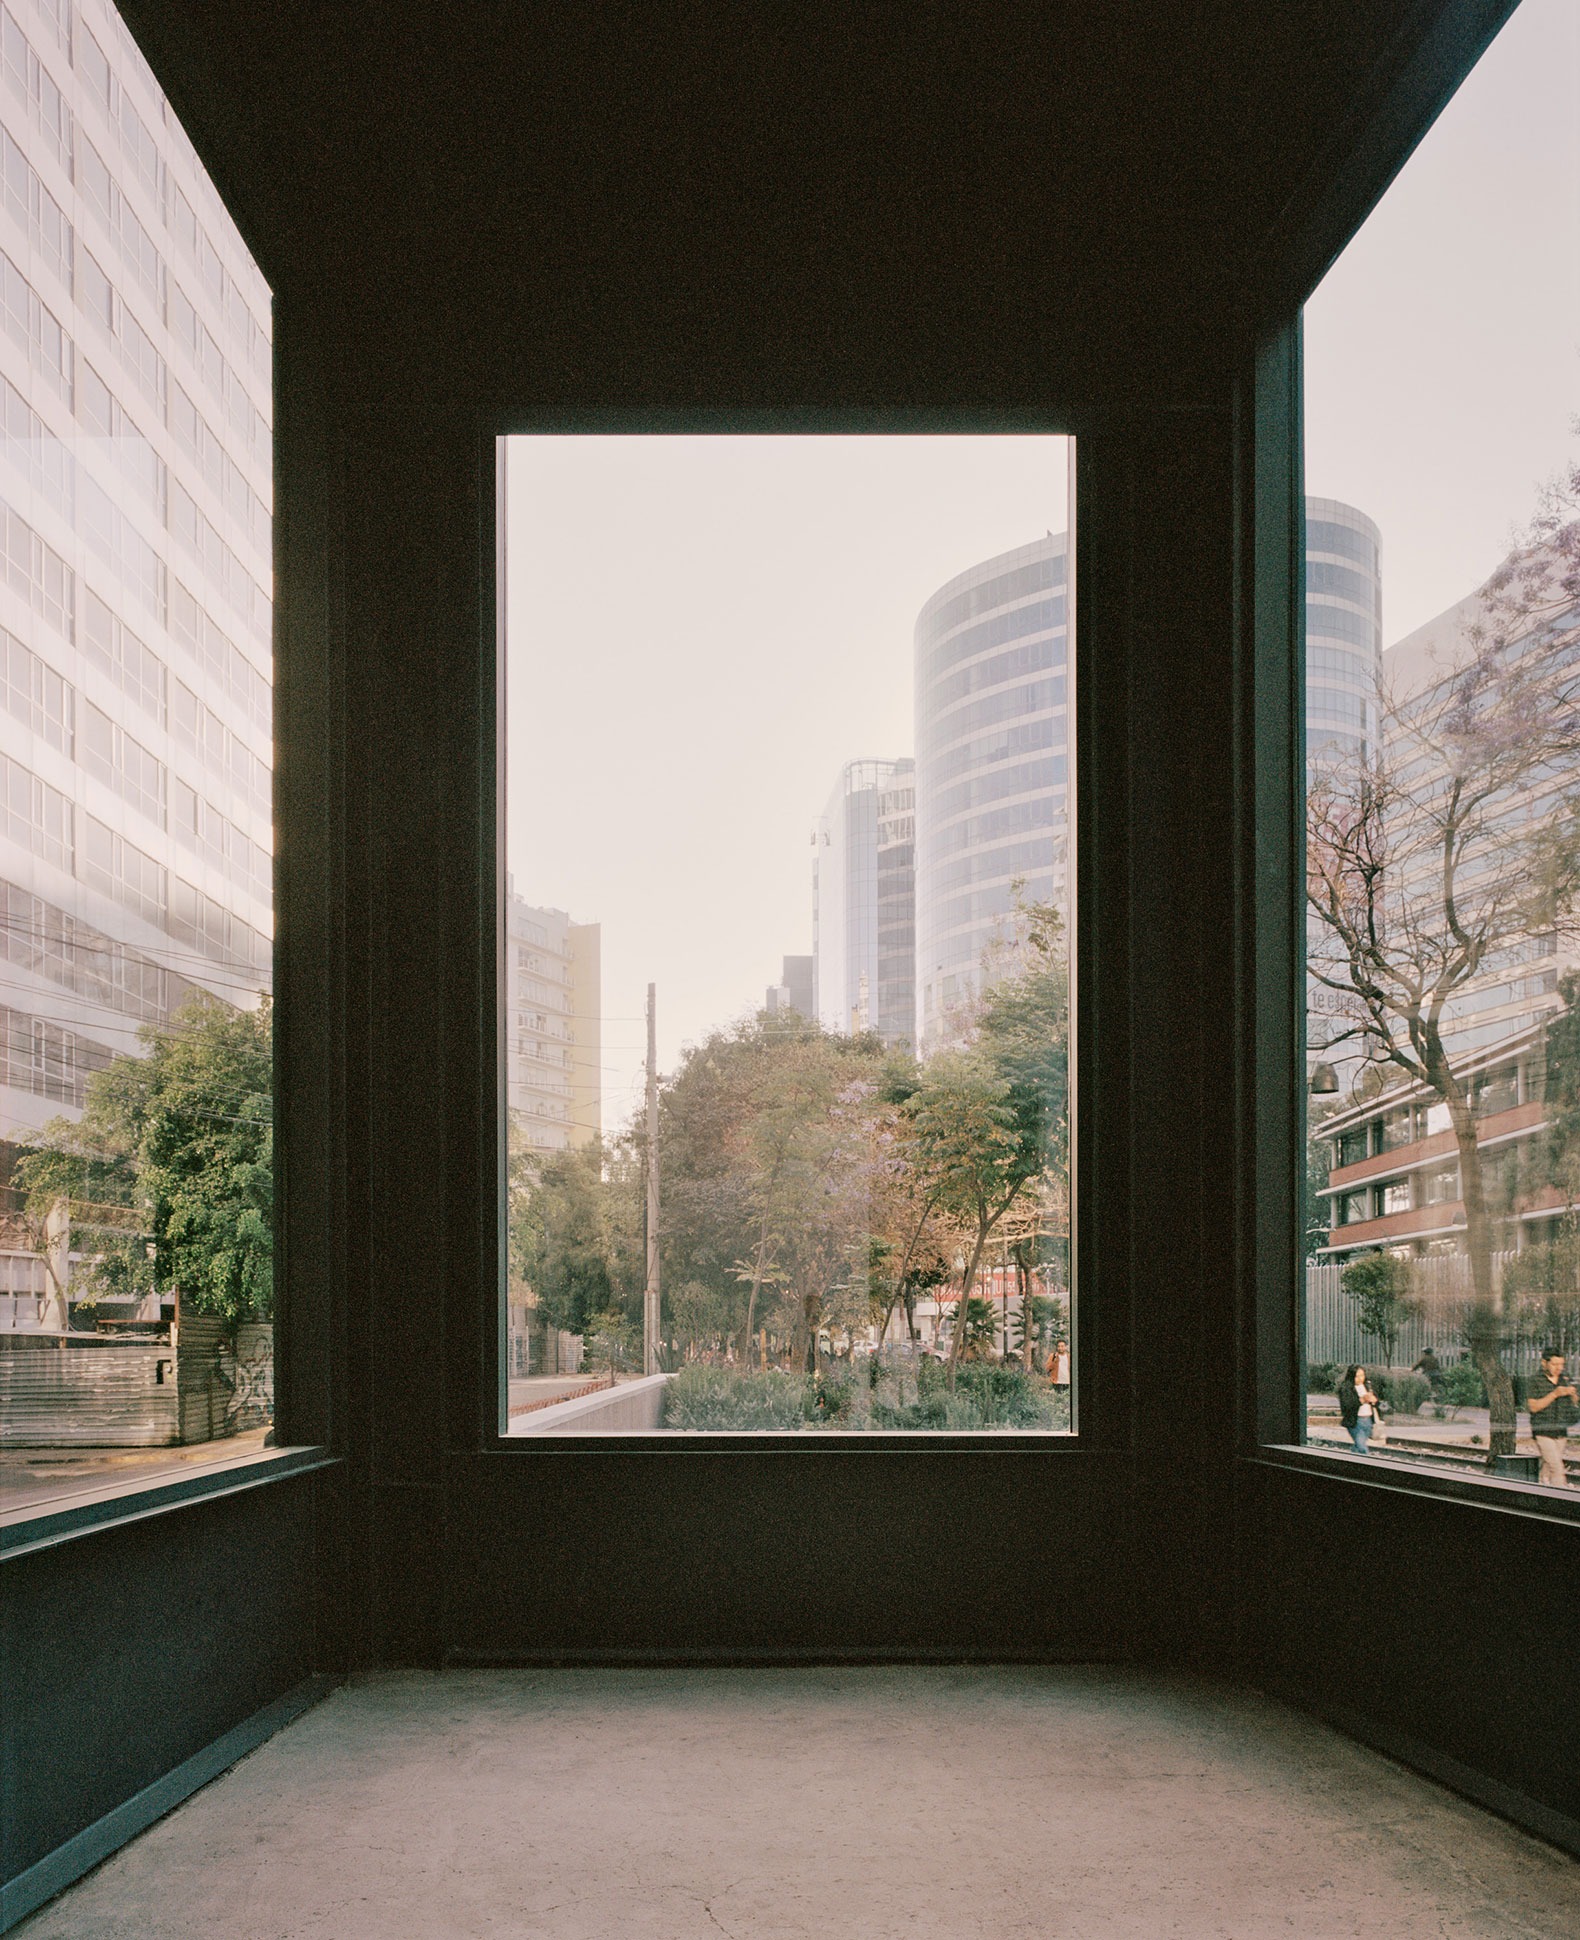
135 757
788 797
1442 1277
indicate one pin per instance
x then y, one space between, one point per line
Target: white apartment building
135 566
553 1034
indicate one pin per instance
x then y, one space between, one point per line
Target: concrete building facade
553 1030
136 592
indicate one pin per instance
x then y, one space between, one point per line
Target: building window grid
47 1059
42 700
51 232
38 936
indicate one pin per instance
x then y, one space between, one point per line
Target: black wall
1446 1630
125 1652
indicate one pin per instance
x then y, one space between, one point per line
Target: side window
1442 605
136 1182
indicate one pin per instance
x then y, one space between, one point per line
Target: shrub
932 1411
724 1398
830 1400
1406 1394
1005 1396
1461 1386
987 1395
1322 1377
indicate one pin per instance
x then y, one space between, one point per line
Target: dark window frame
492 1386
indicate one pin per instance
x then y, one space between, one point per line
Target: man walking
1552 1403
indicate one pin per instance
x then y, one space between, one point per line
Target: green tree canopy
560 1239
183 1137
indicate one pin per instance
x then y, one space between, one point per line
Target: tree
912 1238
182 1139
1452 842
991 1121
559 1239
766 1143
1379 1285
973 1153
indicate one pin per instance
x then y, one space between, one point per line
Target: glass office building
991 767
863 901
1343 666
1343 628
136 598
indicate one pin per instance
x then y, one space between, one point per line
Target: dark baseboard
95 1843
1529 1814
779 1657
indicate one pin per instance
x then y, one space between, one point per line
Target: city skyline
645 682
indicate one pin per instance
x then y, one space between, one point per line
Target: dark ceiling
666 205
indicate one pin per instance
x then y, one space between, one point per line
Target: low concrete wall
633 1408
91 1391
76 1391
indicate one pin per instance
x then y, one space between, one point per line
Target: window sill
66 1517
738 1442
1497 1494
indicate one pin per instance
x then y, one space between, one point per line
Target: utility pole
650 1307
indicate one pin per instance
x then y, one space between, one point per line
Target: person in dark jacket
1553 1410
1357 1407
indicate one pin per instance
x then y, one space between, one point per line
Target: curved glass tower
991 766
1343 628
1343 668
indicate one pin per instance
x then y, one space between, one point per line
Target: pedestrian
1059 1364
1432 1368
1552 1404
1357 1407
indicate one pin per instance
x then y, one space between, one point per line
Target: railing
1440 1297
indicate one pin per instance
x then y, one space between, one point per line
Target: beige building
553 1037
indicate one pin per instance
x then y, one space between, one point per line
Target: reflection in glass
1443 794
136 1197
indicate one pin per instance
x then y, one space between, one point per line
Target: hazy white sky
1443 347
702 630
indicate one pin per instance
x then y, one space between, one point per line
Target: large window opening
787 934
136 751
1442 1230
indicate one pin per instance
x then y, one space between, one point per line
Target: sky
701 631
1442 349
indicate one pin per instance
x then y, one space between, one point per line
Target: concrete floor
1067 1804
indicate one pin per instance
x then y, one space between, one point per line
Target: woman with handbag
1357 1407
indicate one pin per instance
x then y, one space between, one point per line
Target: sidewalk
1469 1429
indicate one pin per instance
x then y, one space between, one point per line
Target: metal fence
1439 1302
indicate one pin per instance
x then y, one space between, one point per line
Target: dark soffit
732 203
